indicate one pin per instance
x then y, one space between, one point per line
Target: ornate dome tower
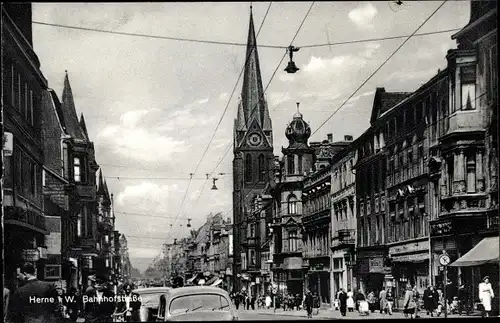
298 131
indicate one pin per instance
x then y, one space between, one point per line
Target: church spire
253 103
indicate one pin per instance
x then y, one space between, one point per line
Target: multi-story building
263 215
410 127
370 169
23 88
298 158
105 228
126 267
316 228
253 155
466 172
343 219
80 170
117 260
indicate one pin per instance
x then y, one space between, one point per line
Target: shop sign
43 252
30 255
410 247
376 265
411 257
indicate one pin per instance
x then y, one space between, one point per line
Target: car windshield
197 302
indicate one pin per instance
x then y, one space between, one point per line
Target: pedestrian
72 302
371 301
6 294
382 296
409 302
390 301
268 301
350 301
236 297
342 296
309 304
98 301
463 296
431 298
485 296
359 297
416 296
316 302
252 302
128 304
24 309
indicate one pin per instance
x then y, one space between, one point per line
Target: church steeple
253 104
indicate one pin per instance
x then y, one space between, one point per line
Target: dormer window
77 169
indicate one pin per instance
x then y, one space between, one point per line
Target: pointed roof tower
69 111
100 189
84 127
252 95
106 192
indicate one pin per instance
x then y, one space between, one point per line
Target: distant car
150 300
196 303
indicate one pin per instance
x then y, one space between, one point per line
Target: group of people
42 302
350 302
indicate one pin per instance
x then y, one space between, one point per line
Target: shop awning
485 252
211 280
217 282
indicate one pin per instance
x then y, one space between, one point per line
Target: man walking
97 301
309 304
343 302
35 301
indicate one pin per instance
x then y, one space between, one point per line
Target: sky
151 105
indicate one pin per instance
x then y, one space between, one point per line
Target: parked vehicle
150 300
196 303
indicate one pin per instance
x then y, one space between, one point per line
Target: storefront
370 270
318 278
410 266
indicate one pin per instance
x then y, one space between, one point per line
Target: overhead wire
235 43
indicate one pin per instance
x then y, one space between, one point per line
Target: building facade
343 220
105 226
253 156
370 170
316 220
410 128
298 159
466 174
23 198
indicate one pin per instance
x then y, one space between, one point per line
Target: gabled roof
384 101
84 126
68 108
58 108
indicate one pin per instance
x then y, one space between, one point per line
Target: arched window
292 204
291 164
262 168
248 168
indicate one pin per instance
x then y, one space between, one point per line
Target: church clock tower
253 151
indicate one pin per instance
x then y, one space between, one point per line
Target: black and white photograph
222 161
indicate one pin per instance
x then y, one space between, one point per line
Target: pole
445 278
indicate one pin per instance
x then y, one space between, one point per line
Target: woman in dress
409 303
350 301
485 295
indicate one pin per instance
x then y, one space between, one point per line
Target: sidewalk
332 314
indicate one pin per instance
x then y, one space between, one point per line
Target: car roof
152 290
189 290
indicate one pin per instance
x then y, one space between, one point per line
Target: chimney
330 137
347 138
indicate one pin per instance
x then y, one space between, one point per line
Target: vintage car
150 299
196 303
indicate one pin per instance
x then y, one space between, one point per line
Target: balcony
345 238
465 121
30 219
316 253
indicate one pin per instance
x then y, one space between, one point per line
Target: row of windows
404 166
317 243
469 168
292 168
318 203
261 168
371 178
19 93
343 176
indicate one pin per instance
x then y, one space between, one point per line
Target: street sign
444 260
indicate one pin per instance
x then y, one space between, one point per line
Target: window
292 204
107 263
253 257
377 229
291 164
79 225
88 221
248 168
43 177
197 302
468 87
262 168
362 232
77 169
33 174
293 241
300 165
106 238
52 272
471 173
